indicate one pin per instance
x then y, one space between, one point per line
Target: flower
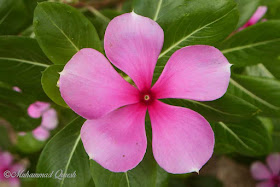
6 163
268 176
114 133
260 12
49 119
17 89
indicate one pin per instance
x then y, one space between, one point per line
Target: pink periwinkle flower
260 12
6 164
49 119
268 176
114 133
17 89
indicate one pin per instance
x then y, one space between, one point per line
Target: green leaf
263 93
100 19
189 22
65 154
13 108
15 15
259 70
228 108
28 144
62 31
276 134
274 67
50 78
246 9
162 177
248 138
143 175
256 44
5 141
273 9
21 63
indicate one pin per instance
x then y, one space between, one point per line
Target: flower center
146 97
276 180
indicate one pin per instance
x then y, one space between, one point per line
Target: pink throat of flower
146 97
2 173
276 180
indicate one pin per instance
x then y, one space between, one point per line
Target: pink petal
41 133
91 86
259 171
197 72
133 44
183 140
37 109
6 160
49 119
17 89
273 162
14 182
260 12
117 141
265 184
17 167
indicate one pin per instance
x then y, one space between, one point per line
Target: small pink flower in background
49 119
40 133
114 133
260 12
37 109
6 163
268 176
17 89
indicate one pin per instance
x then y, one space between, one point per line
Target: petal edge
183 141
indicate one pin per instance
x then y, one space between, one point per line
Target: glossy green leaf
273 8
276 134
248 138
21 63
189 22
246 9
100 19
65 154
268 70
162 177
274 68
15 15
50 78
259 70
5 141
143 175
228 108
263 93
62 31
28 144
256 44
13 108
